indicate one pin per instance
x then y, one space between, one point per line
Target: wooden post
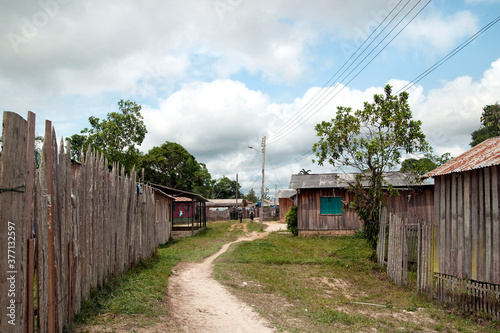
14 180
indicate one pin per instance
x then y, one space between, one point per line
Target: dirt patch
198 303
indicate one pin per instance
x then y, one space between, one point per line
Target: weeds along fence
64 229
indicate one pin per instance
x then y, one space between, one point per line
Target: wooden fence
403 245
88 222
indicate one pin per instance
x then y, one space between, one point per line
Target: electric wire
449 55
334 76
312 112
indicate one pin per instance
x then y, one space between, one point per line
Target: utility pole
262 189
239 216
275 192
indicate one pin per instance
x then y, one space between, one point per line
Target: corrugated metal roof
344 180
283 194
485 154
223 202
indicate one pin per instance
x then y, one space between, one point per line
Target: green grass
299 284
141 290
320 279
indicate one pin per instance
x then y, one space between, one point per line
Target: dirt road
200 304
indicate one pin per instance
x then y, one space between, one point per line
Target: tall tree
225 188
490 121
251 196
173 166
117 137
371 140
425 164
304 172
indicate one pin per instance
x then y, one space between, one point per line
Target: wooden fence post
16 186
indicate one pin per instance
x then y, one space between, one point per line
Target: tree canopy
225 188
173 166
490 121
251 196
117 136
373 141
425 164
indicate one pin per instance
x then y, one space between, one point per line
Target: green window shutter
331 205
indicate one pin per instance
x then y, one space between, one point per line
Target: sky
216 76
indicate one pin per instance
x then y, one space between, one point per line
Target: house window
331 205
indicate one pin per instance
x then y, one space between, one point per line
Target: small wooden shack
163 206
225 209
286 201
192 205
466 244
323 201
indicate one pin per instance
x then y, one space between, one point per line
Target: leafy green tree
117 137
251 196
425 164
173 166
490 121
225 188
371 140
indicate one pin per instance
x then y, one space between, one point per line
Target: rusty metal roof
344 180
485 154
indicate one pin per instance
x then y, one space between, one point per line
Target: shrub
291 220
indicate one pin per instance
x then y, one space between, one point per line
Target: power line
322 91
291 126
449 55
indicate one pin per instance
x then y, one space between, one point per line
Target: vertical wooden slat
495 221
442 226
474 227
481 272
453 227
49 190
29 195
13 252
467 261
487 226
460 226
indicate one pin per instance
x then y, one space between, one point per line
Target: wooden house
224 209
323 201
286 201
466 242
188 209
163 206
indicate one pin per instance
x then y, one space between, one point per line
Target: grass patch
316 284
141 291
298 284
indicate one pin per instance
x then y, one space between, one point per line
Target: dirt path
200 304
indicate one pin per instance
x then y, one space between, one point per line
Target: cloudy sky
217 75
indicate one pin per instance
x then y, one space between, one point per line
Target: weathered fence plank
14 181
89 223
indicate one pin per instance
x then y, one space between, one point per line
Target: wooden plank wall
468 225
90 223
467 242
417 204
285 205
309 217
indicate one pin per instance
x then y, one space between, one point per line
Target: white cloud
451 113
437 33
